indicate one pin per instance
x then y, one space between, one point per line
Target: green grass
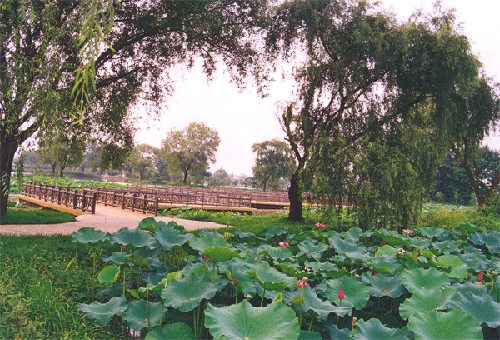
467 218
35 216
244 222
42 280
38 291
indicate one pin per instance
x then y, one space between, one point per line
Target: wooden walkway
106 218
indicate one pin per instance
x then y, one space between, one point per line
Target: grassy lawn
466 218
39 289
35 216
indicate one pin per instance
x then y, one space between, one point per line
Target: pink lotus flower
383 242
341 294
235 281
302 283
204 258
480 276
283 244
320 225
408 232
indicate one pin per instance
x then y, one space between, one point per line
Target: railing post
75 200
84 200
59 195
123 200
144 204
94 201
156 204
133 201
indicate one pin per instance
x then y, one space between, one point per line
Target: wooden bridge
151 199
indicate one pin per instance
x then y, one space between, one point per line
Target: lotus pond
427 283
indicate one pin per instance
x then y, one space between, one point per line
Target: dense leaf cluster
426 283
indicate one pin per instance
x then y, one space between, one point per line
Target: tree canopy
191 149
368 88
41 63
274 162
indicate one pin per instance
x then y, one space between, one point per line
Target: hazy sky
242 118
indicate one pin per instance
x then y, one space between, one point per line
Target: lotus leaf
133 237
269 278
103 312
242 321
482 308
311 249
187 294
423 281
447 247
137 314
338 334
434 325
458 268
119 258
386 250
173 331
219 253
169 237
148 224
326 268
374 330
306 335
356 293
386 286
390 237
312 303
385 264
437 299
239 269
475 260
201 243
108 275
434 233
274 231
278 253
89 235
490 240
349 248
470 287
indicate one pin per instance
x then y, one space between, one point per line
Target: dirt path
108 219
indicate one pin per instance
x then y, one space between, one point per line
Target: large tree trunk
295 198
264 184
185 178
53 168
482 198
8 148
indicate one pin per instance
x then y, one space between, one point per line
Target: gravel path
108 219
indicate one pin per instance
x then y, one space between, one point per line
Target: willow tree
365 75
192 149
478 114
41 62
273 162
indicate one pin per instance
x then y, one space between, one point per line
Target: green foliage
453 185
20 215
274 162
103 312
192 149
41 281
176 330
243 321
89 235
437 325
322 279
